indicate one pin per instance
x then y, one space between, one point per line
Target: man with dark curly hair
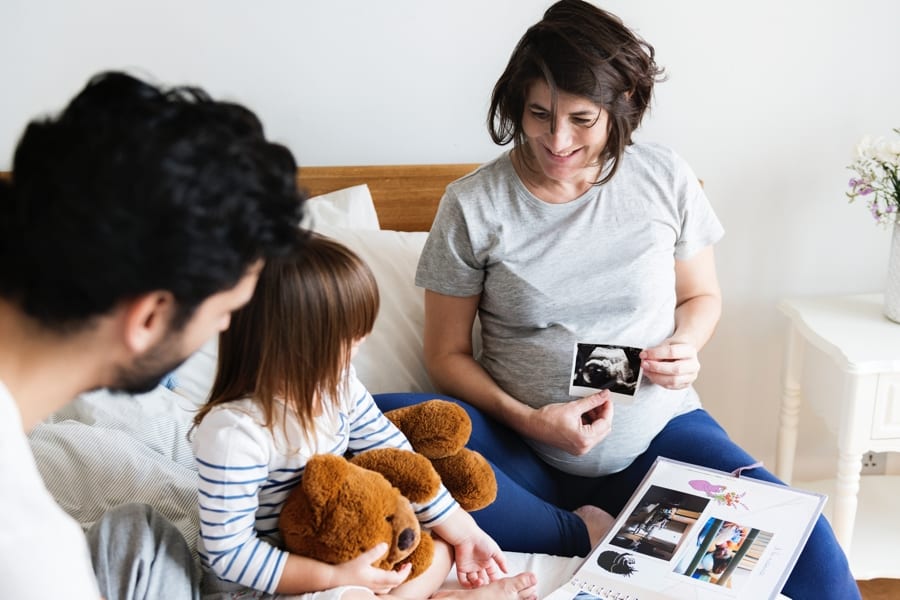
134 223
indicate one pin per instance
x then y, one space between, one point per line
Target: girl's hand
575 426
478 558
360 571
673 364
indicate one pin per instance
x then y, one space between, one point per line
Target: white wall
765 99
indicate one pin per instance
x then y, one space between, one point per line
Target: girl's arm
478 557
302 574
369 429
232 463
575 426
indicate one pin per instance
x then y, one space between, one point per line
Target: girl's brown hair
293 340
584 51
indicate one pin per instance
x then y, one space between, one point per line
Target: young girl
285 390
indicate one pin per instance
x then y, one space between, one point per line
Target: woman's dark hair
584 51
133 189
292 341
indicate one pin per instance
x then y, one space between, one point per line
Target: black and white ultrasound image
607 367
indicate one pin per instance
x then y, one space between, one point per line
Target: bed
104 449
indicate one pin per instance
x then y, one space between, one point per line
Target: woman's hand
575 426
672 364
360 571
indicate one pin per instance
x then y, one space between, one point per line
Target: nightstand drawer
886 418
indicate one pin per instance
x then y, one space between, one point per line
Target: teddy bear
439 430
344 507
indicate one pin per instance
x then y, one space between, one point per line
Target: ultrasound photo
605 367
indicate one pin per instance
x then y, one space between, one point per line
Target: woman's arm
450 361
674 363
575 426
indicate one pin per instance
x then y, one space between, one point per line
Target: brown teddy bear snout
406 539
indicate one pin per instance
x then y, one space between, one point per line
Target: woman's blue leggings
532 512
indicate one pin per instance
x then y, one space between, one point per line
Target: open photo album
690 532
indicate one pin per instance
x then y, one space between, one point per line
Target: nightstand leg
845 497
789 416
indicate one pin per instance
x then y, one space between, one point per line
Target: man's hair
133 189
584 51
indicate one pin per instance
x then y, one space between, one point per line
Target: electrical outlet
874 463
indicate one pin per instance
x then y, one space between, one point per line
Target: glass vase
892 287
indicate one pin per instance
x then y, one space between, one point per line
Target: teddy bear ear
436 428
408 471
322 477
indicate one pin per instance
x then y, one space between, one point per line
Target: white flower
864 148
877 168
888 152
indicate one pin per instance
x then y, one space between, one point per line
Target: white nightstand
863 409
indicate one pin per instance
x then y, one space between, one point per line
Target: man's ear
147 319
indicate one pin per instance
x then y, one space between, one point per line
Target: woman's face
568 150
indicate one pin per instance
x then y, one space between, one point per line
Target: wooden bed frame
405 196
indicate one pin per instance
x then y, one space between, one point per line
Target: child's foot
597 520
518 587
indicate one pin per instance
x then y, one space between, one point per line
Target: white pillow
350 207
194 378
390 360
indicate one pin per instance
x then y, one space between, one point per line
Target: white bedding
103 450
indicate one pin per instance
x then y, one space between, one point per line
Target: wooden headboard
406 196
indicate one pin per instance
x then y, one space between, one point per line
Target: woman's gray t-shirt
598 269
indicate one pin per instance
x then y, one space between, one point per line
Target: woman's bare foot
597 520
518 587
